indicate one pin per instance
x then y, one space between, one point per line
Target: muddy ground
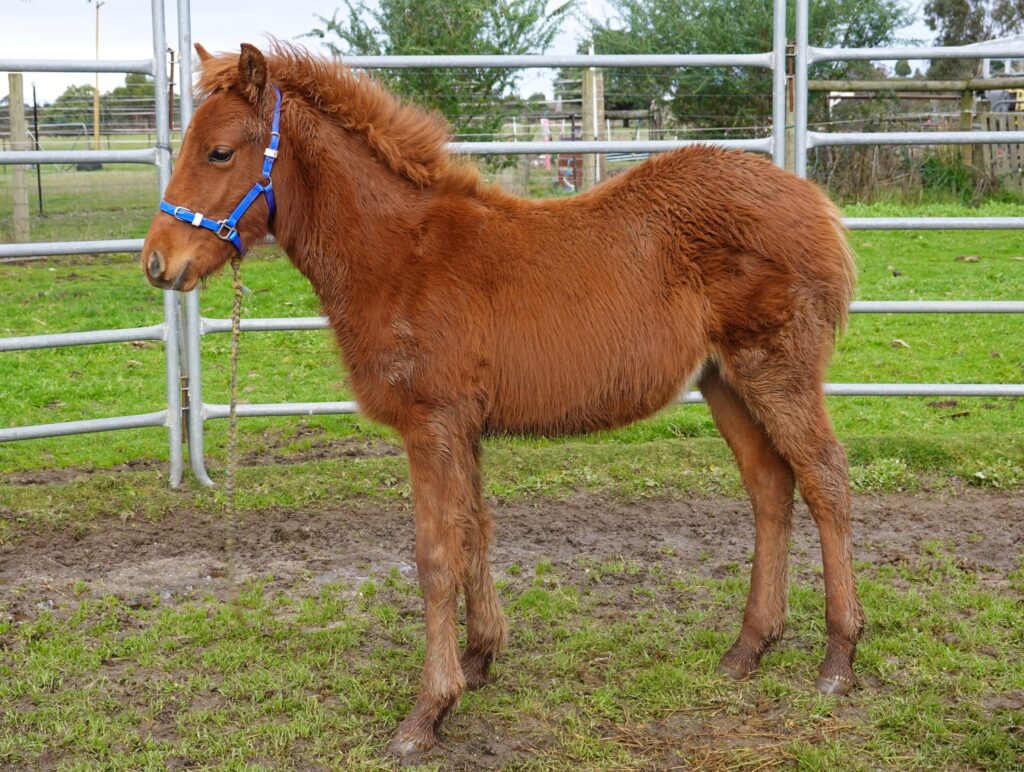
190 552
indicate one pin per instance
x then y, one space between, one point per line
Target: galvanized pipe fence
184 326
168 416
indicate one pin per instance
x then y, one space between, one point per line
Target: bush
944 171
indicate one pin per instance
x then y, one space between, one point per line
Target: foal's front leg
440 473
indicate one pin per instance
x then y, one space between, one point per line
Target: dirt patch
275 450
189 553
64 475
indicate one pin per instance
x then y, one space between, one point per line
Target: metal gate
194 325
167 330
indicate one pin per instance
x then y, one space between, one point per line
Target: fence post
966 124
19 141
593 120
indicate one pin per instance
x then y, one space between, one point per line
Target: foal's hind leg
787 398
768 479
486 629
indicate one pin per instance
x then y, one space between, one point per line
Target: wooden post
593 121
978 157
966 123
19 141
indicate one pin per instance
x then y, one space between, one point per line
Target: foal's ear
252 72
204 55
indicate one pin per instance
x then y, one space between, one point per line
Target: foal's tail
846 280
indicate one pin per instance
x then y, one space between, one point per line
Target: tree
73 106
136 86
130 105
902 69
726 95
961 22
471 99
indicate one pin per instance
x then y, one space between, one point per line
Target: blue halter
225 229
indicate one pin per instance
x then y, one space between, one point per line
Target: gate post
800 90
189 301
163 165
781 119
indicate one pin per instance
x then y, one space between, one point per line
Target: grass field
611 664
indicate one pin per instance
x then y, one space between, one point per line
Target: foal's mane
408 138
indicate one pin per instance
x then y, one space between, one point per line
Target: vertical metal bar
177 465
163 165
185 63
190 301
800 83
779 82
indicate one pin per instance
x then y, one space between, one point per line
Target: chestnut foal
461 310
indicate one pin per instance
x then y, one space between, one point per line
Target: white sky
65 29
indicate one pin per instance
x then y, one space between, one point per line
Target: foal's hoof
405 746
475 668
835 686
737 663
734 671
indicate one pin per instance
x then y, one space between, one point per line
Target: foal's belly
550 389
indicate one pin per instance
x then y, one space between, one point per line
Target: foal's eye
220 155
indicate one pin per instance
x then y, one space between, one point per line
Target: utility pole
96 93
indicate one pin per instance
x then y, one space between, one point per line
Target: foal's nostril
156 268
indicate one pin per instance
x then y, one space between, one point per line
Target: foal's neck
345 220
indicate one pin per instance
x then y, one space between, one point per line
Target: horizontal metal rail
61 339
276 409
925 389
268 324
973 51
278 323
826 138
38 431
37 248
146 156
937 307
904 390
281 409
528 61
933 223
763 145
144 66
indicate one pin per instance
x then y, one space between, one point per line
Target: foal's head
220 159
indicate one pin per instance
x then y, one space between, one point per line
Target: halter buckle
225 231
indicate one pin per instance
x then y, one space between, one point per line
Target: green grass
321 676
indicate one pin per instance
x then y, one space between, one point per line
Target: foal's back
597 310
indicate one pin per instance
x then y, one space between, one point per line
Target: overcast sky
65 29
